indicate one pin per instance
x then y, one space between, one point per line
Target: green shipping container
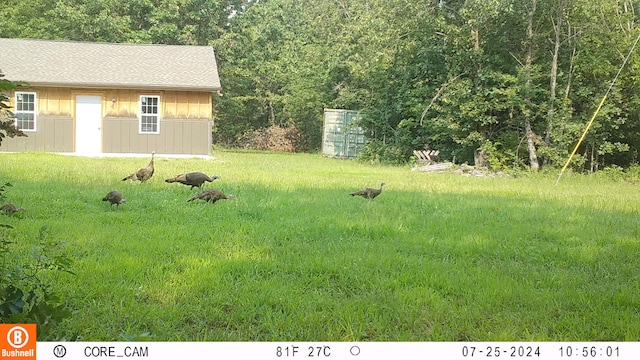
340 137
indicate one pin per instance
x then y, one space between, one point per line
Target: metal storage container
340 137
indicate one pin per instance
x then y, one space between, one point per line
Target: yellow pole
584 134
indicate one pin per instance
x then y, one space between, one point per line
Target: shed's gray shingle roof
106 65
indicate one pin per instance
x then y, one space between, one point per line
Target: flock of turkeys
192 179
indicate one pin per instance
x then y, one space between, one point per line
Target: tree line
502 83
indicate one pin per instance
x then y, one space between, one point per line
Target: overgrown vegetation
273 138
293 257
27 290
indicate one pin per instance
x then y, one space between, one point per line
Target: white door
88 124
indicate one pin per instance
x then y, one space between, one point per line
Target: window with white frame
149 114
25 110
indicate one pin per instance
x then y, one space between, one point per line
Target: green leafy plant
3 189
376 151
26 291
7 127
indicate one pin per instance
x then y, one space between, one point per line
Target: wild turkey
368 193
114 197
10 209
143 174
193 179
211 196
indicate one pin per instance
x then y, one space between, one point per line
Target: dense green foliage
294 258
502 82
27 294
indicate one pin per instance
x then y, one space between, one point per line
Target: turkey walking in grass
193 179
211 196
368 193
143 174
10 209
114 197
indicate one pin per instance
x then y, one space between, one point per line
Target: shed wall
177 136
174 104
54 133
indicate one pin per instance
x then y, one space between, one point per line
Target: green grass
437 257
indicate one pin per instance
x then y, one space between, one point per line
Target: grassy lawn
293 257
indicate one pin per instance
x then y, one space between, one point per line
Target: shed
91 98
341 138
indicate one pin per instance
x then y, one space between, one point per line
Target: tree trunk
272 113
479 155
553 83
531 144
531 136
475 33
480 158
567 89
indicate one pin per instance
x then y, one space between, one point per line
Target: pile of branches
274 138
